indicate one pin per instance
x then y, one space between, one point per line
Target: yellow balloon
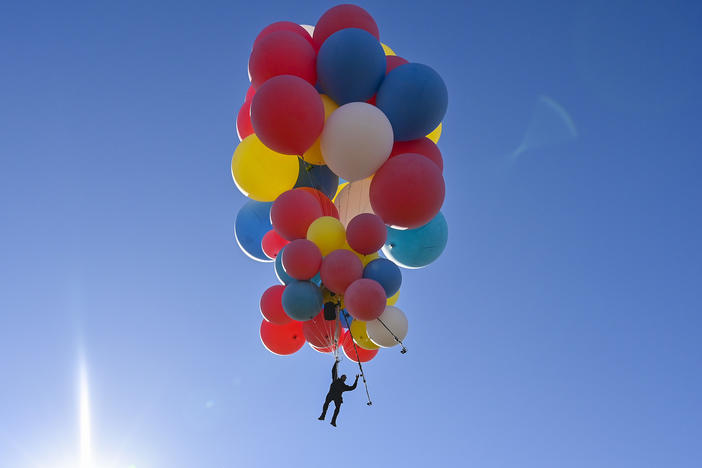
365 259
369 258
435 134
261 173
327 233
387 50
392 300
338 189
314 154
360 336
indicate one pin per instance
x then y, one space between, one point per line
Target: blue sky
561 327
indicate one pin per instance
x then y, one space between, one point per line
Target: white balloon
353 200
357 140
395 320
308 28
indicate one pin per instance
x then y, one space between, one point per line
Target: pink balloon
243 121
365 299
366 233
423 146
284 26
282 339
340 268
407 191
392 62
328 207
272 243
287 114
272 307
282 53
293 212
342 17
302 259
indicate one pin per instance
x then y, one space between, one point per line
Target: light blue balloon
302 300
318 177
252 222
283 277
386 273
414 98
350 66
417 248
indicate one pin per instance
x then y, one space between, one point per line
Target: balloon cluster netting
338 158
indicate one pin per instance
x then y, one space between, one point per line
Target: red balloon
328 207
321 333
325 350
282 339
271 306
250 93
284 26
392 62
423 146
287 114
407 191
243 121
340 268
293 212
365 299
272 243
302 259
342 17
366 233
282 53
356 353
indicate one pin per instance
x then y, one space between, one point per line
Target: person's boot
321 418
333 422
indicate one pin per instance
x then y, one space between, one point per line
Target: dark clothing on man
336 388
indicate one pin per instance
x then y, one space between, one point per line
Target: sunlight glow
84 422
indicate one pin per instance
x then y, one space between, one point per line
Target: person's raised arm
355 382
335 374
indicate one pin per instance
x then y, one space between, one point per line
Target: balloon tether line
363 376
404 350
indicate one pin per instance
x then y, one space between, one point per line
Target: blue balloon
317 177
283 277
414 98
302 300
416 248
345 319
386 273
252 222
350 66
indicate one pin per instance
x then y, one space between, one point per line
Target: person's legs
324 408
337 407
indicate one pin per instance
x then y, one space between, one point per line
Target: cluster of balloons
330 104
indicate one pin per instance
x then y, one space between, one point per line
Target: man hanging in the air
337 387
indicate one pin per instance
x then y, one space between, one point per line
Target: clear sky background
562 326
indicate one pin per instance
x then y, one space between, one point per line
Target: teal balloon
283 277
417 248
252 222
302 300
